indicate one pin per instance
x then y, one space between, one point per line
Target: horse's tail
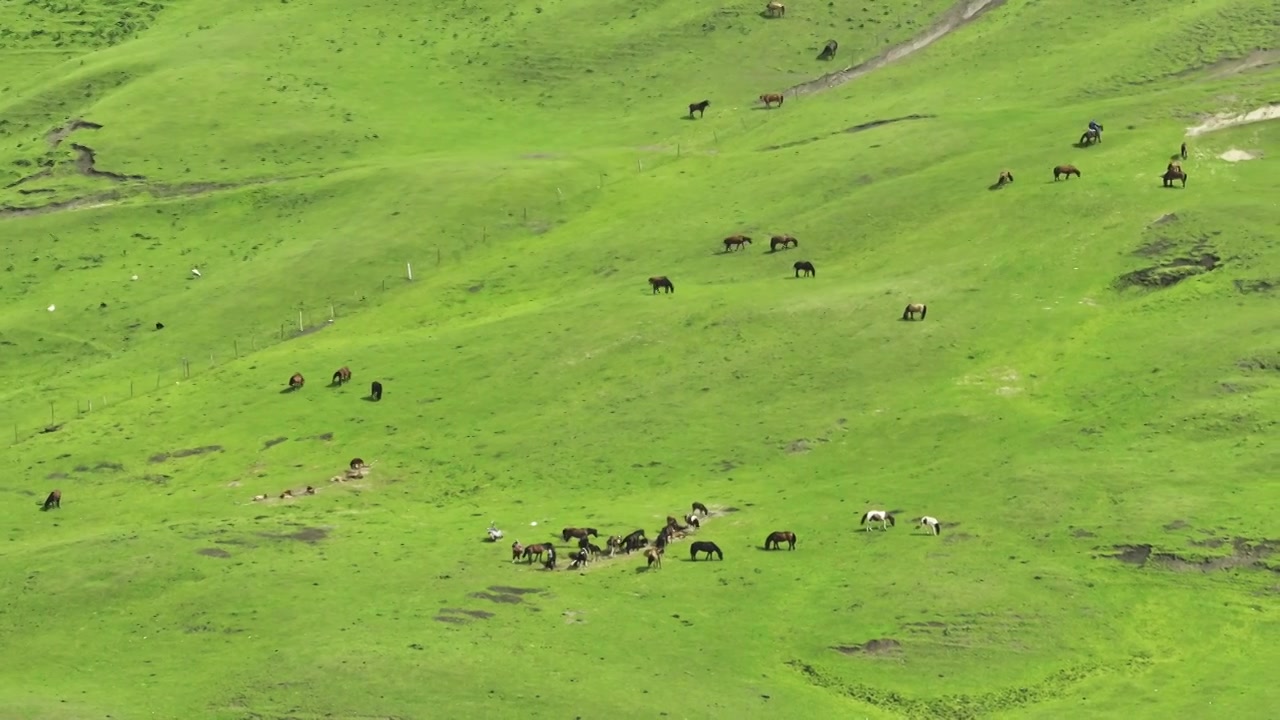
924 310
905 313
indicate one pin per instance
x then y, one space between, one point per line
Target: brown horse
296 381
700 508
1005 178
1184 151
343 375
1065 170
770 98
1174 173
533 552
673 523
829 50
775 539
783 241
699 107
806 267
286 494
660 282
579 533
1091 136
910 312
735 242
517 551
705 547
53 501
775 9
357 463
654 557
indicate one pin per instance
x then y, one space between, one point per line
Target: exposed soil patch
86 163
498 598
1166 218
1156 247
1248 287
107 465
1255 60
1176 525
961 14
310 535
213 552
1258 363
273 442
865 179
1169 273
798 446
55 136
80 203
56 476
161 457
478 614
878 123
1234 155
34 176
1082 533
1226 120
508 590
871 647
1245 554
451 619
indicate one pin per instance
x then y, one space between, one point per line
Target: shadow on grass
288 391
370 398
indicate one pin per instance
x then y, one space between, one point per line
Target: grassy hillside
1086 406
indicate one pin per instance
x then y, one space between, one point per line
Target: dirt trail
1226 120
55 136
86 159
961 14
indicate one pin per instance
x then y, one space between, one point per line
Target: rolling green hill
1087 406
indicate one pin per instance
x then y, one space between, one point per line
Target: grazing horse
770 98
674 524
517 551
260 498
594 550
578 533
932 524
493 532
775 539
775 9
910 312
296 381
1065 170
699 107
580 559
375 390
533 552
829 50
806 267
1184 151
693 521
286 494
1091 136
357 463
735 242
343 375
784 241
634 541
705 547
614 544
1174 173
53 501
659 282
312 491
1005 178
700 508
885 519
654 557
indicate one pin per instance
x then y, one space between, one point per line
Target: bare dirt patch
796 447
870 647
1169 273
508 590
213 552
55 136
1245 554
1227 120
273 442
310 535
1164 219
161 457
961 14
503 598
890 121
86 163
1234 155
1176 525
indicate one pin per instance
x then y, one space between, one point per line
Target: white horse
494 533
932 524
885 519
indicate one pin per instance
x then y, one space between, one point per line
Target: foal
931 524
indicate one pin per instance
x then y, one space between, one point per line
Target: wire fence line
27 415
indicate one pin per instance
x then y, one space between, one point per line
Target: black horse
634 541
375 390
806 267
829 50
53 501
699 507
706 547
699 107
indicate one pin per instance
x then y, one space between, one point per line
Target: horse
775 9
782 241
806 267
1174 173
735 242
532 552
1091 136
493 532
375 390
342 376
1067 170
706 547
357 463
578 533
53 501
312 491
654 557
1005 178
699 107
699 507
260 498
776 538
829 50
550 562
614 544
517 551
594 550
661 281
634 541
296 381
932 524
770 98
286 494
674 524
580 559
693 521
1183 151
885 519
910 312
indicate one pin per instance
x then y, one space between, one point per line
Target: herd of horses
1172 173
341 376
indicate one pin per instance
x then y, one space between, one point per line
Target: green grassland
1064 400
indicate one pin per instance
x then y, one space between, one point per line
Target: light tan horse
770 98
775 9
654 556
912 309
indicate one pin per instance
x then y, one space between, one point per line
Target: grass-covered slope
1097 374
